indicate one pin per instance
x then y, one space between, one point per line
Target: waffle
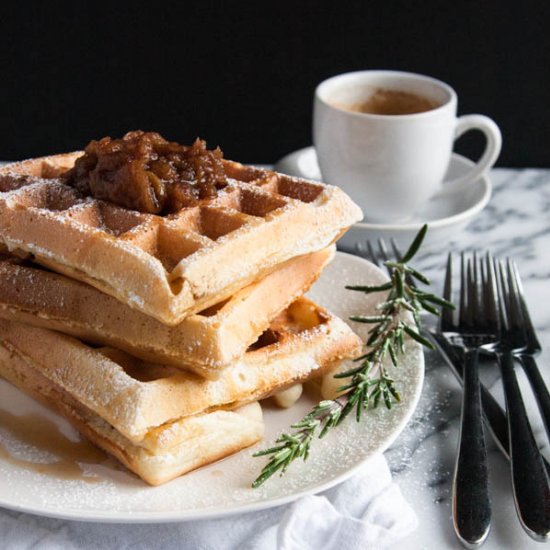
203 342
136 397
202 439
168 266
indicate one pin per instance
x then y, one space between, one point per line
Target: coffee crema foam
384 101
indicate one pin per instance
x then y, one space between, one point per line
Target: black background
242 76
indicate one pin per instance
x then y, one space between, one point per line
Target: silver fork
473 331
530 478
532 347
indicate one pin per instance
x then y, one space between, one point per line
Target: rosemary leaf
417 242
393 353
369 289
429 308
269 451
416 336
369 318
395 393
418 276
399 283
437 300
351 372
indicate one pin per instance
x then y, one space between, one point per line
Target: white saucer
446 215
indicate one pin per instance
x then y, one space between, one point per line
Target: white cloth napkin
366 512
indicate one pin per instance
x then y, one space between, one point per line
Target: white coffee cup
390 164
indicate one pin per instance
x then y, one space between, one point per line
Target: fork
532 346
472 332
530 478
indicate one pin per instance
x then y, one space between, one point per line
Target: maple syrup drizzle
41 433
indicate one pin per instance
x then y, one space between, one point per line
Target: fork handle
471 501
530 480
539 388
494 414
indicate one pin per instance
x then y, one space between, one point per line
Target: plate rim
151 517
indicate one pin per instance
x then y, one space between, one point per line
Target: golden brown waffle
201 439
169 266
137 398
203 342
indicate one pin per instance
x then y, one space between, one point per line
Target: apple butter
144 172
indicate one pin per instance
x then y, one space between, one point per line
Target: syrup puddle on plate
36 431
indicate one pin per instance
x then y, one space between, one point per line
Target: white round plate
446 215
222 488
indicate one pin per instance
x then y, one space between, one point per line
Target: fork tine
516 321
396 250
462 305
446 322
477 311
471 293
490 293
502 294
384 255
484 301
383 250
372 254
463 310
528 323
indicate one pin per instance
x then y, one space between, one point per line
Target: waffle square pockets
153 295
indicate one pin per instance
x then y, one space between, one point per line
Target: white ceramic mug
391 164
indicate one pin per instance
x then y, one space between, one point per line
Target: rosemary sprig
369 382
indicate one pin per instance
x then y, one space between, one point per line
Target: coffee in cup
383 101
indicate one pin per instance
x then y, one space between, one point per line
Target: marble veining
515 223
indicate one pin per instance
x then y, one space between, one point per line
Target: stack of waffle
156 336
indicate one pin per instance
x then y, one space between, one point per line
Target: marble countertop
515 223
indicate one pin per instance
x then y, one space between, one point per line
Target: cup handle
492 150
